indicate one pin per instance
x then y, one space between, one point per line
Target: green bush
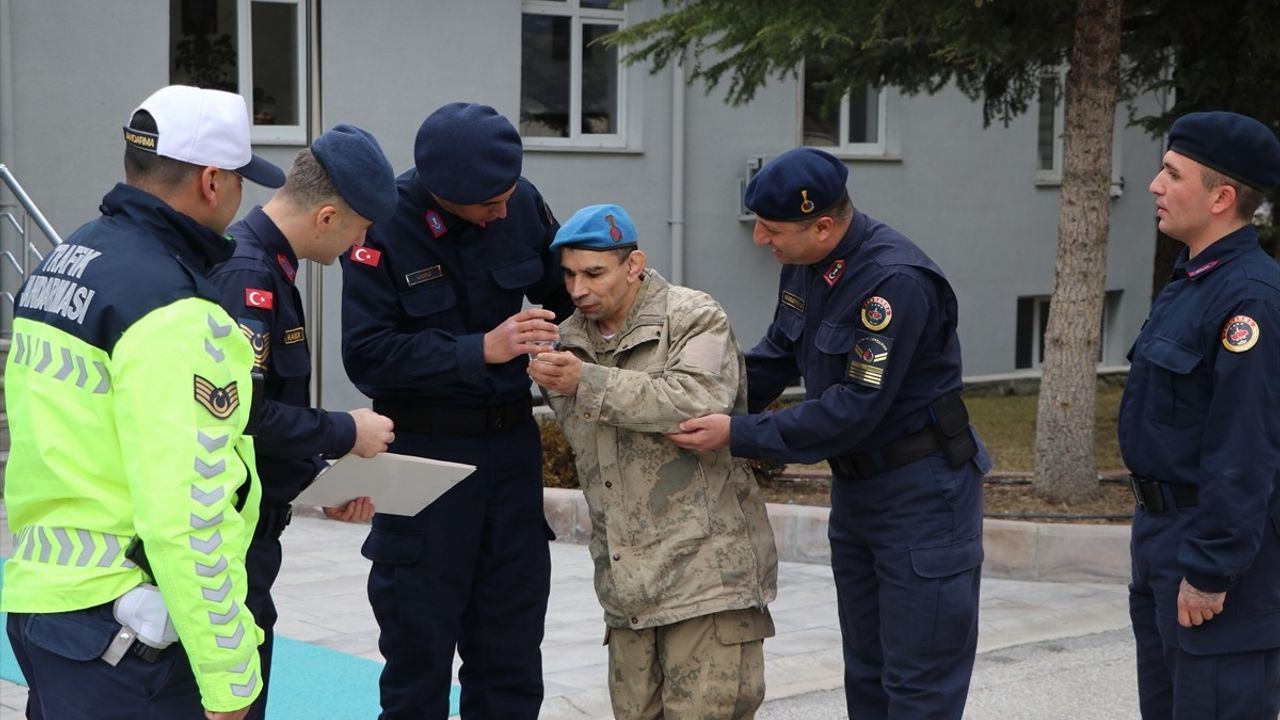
560 471
558 467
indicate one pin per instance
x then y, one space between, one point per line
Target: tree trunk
1065 467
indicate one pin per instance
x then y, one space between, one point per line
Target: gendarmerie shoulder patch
219 401
876 313
869 358
293 336
1240 333
259 336
793 301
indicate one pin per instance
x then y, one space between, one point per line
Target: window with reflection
256 48
570 82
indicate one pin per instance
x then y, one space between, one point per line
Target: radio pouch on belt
142 609
951 423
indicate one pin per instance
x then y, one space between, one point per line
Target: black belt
902 451
948 433
145 651
1151 496
272 520
435 420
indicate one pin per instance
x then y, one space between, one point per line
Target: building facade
983 202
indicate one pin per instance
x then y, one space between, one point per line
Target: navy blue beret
597 227
359 170
1235 145
797 185
467 153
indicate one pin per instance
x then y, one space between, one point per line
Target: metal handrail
29 206
28 248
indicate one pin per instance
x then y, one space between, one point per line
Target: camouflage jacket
674 534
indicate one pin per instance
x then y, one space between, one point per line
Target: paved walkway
321 596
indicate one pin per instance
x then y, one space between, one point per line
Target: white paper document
397 484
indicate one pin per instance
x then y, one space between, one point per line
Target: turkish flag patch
253 297
366 256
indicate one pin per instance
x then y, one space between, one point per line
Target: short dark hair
1248 199
841 211
308 183
145 166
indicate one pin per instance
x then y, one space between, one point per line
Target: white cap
209 128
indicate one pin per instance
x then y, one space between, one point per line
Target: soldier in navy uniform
1200 432
434 332
334 191
868 321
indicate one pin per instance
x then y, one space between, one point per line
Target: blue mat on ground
308 682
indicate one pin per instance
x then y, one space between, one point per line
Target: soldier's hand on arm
709 432
1197 606
558 371
360 510
517 333
373 432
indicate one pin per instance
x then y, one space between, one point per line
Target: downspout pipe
677 172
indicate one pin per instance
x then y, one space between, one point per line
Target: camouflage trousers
705 668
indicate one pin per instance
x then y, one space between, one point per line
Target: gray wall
966 194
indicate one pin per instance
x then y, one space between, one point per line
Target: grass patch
1007 424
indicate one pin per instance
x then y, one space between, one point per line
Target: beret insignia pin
806 206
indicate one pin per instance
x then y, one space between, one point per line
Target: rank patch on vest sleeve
259 336
219 401
1240 333
294 336
869 358
417 277
793 301
876 313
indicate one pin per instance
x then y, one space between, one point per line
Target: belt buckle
1137 494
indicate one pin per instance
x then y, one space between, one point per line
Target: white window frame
580 16
846 149
274 134
1053 175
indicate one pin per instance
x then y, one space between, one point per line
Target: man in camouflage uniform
684 554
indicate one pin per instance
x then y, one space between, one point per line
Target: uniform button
635 620
608 483
587 414
616 556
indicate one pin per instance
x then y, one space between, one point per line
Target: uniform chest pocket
429 299
518 275
790 322
291 361
1178 392
835 338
